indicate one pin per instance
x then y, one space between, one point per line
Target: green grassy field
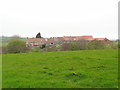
93 68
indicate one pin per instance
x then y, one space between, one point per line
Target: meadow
62 69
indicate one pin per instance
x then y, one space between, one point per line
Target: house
104 40
59 40
39 41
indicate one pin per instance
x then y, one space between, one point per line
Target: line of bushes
15 46
18 46
84 45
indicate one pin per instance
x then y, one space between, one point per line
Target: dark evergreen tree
38 35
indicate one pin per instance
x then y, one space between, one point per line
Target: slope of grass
92 69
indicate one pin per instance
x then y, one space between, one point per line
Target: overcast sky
54 18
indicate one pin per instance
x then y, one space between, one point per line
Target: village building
59 40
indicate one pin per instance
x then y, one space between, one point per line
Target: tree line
16 45
83 45
19 46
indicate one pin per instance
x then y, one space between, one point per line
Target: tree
65 47
113 45
95 44
16 46
82 44
43 46
38 35
73 46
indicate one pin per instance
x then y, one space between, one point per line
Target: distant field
92 69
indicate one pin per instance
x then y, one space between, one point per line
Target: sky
56 18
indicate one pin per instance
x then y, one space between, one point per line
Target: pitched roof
65 38
76 37
101 39
40 40
34 40
87 36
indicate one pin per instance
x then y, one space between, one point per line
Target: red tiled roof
40 40
35 41
76 37
90 39
100 38
87 36
97 39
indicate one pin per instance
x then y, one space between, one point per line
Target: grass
92 69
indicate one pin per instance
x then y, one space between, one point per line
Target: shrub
73 46
58 47
95 44
16 46
36 49
4 50
82 45
115 45
65 46
50 48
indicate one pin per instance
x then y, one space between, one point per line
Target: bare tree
65 46
82 44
